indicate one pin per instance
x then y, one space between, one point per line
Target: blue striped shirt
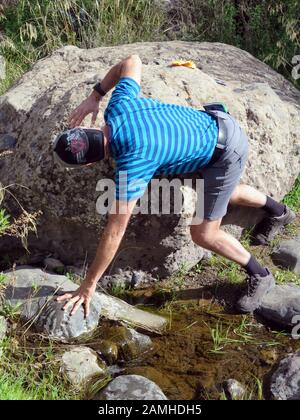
148 138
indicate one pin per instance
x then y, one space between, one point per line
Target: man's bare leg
278 215
244 195
209 235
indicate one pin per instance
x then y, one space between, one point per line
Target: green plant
27 375
227 270
292 199
9 310
286 276
4 221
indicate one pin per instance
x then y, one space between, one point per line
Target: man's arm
130 67
107 248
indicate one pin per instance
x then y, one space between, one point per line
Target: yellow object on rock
184 63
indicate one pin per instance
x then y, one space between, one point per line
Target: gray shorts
221 178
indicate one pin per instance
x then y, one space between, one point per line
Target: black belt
222 138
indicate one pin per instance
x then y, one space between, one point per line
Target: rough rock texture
287 254
3 327
131 387
37 107
2 67
281 305
81 364
233 389
285 381
7 142
32 289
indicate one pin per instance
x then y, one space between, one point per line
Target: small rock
287 254
80 364
7 142
281 305
53 264
3 327
285 381
233 389
131 387
2 68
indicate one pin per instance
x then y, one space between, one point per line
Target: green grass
292 199
26 375
226 269
4 221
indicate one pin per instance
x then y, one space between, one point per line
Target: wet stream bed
203 346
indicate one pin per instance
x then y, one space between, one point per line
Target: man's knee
201 236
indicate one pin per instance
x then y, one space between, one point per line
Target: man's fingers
76 306
71 302
64 297
86 308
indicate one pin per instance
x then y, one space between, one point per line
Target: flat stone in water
281 305
285 381
131 387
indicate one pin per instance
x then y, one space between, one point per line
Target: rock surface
7 142
281 305
2 67
233 389
37 108
3 327
285 381
32 290
131 387
81 364
287 254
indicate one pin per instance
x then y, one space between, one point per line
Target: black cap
79 146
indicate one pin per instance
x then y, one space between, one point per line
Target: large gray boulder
37 108
281 305
285 381
131 387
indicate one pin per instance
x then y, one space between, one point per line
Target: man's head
79 147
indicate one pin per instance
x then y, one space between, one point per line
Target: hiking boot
257 288
266 230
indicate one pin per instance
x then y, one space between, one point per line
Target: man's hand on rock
89 106
82 296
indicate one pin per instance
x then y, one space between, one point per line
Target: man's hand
82 296
89 106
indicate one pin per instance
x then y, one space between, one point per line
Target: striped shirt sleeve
126 88
132 176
